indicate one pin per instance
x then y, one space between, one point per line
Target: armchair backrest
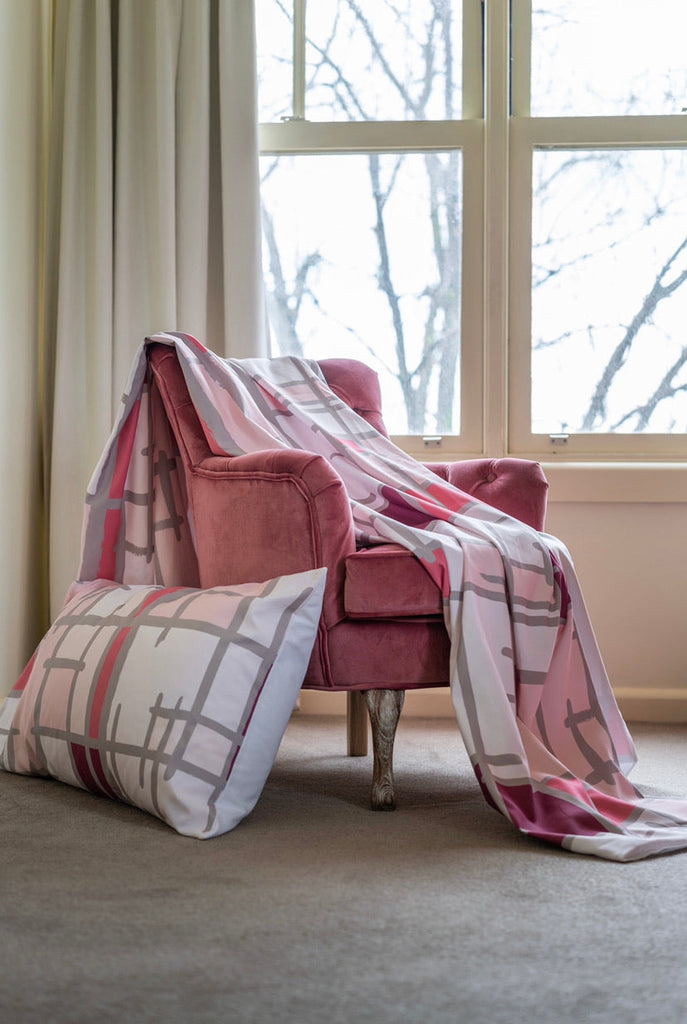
357 385
515 486
352 381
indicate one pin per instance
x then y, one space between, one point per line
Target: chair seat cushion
388 582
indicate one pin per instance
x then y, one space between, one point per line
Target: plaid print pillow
171 699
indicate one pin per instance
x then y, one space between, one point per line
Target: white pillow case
171 699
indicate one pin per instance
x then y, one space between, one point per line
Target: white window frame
526 134
297 135
497 137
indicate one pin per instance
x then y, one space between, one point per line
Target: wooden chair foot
384 707
357 723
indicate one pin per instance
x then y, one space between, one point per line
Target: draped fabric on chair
129 200
533 702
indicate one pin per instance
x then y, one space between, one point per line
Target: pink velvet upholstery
515 486
381 625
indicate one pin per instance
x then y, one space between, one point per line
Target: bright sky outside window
363 248
382 196
608 57
600 144
609 303
364 261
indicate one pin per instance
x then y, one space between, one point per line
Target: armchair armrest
517 487
268 514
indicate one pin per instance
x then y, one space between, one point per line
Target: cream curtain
129 204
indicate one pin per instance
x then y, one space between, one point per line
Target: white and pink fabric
533 702
172 699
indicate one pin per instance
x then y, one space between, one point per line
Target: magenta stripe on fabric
99 770
84 769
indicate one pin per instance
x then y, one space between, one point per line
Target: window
372 142
598 193
488 203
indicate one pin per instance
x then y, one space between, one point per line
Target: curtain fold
25 71
132 204
79 273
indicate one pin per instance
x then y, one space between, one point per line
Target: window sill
649 482
624 482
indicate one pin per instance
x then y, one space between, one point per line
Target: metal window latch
432 441
559 438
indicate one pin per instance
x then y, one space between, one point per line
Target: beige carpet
316 910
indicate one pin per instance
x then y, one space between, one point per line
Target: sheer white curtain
136 199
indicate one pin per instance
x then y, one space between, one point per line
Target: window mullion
521 34
496 163
473 59
299 59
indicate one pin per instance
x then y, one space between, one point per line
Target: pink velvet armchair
269 513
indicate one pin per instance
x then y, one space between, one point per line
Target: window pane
362 260
274 32
385 60
608 57
609 302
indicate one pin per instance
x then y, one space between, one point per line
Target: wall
626 528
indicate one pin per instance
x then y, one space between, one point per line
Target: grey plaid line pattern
421 542
530 677
77 664
595 713
156 757
346 420
468 700
267 652
523 602
502 759
323 403
603 769
541 726
522 617
135 498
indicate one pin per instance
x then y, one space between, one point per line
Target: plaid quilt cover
531 695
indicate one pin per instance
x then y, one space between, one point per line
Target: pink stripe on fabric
113 517
439 571
450 497
103 681
25 676
116 645
195 342
420 512
612 807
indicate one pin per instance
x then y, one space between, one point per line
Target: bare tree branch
379 54
657 293
665 390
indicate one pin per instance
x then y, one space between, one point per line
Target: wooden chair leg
384 707
357 723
